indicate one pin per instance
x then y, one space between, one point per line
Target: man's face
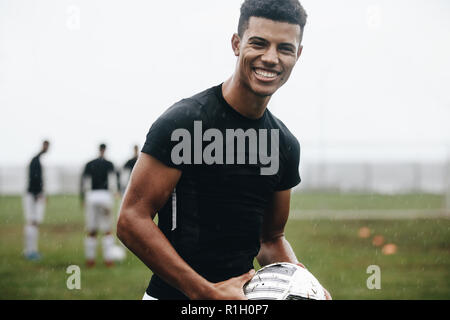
267 53
45 147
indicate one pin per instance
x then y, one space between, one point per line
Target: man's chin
264 92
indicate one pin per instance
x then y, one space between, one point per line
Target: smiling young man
218 169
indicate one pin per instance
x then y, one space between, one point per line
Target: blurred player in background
34 202
123 177
97 189
127 168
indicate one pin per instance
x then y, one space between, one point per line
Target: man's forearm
143 237
276 250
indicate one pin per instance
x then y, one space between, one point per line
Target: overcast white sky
372 82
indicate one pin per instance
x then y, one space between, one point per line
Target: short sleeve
290 176
111 167
159 142
86 170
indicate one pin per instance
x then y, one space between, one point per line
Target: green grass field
331 249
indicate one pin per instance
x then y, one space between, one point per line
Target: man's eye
287 49
258 44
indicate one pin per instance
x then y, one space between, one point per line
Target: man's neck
243 100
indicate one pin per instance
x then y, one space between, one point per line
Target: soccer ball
117 253
284 281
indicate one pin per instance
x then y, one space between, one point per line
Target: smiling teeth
266 74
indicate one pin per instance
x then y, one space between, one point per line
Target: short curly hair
290 11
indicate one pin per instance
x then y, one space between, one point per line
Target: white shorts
34 208
147 297
99 205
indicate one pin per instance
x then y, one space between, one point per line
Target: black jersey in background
98 170
35 181
129 165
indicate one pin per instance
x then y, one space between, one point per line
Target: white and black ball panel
284 281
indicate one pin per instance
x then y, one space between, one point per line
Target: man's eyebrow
257 38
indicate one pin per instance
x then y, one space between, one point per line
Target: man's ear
236 44
299 51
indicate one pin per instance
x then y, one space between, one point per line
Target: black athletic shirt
35 181
130 163
214 217
98 169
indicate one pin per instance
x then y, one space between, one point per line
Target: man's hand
327 294
231 289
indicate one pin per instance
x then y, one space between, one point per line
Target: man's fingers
327 294
247 276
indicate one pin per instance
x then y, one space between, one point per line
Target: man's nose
270 56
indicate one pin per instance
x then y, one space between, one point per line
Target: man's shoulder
130 163
90 163
205 96
35 159
194 107
110 164
285 133
99 162
93 162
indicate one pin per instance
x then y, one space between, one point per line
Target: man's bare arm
274 246
150 186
